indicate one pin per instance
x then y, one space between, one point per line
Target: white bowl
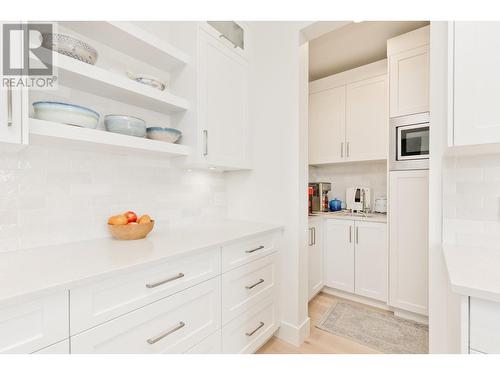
127 125
169 135
65 113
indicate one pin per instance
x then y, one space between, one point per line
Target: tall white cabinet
474 83
316 282
408 231
356 257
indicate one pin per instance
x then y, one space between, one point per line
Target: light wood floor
319 342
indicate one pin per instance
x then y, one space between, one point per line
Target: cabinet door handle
310 237
357 235
347 149
205 133
9 106
254 284
254 250
261 324
314 235
154 340
158 283
350 234
341 149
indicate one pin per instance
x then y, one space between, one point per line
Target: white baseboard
380 305
294 335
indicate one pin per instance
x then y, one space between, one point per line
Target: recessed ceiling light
211 168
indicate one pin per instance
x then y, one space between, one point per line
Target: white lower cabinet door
246 285
339 254
371 260
408 240
28 326
315 249
252 329
211 345
484 326
58 348
171 325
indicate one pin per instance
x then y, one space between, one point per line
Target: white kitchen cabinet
223 104
366 119
31 325
210 345
371 260
408 56
408 240
315 249
327 126
171 325
475 80
484 325
13 101
339 254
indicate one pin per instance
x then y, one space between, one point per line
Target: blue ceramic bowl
169 135
127 125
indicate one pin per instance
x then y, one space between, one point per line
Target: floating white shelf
53 132
133 41
98 81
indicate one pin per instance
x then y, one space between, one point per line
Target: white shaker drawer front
484 326
61 347
211 345
249 331
246 285
101 301
33 325
171 325
240 253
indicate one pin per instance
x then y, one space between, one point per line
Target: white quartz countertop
49 268
474 271
344 215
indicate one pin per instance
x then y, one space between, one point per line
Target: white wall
341 176
444 324
55 195
276 189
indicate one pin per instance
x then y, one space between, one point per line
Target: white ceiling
354 45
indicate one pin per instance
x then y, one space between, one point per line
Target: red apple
131 216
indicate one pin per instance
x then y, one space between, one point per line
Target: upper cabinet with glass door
13 116
232 34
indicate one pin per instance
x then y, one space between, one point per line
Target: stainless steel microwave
409 142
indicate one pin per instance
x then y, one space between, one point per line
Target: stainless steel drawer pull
254 250
205 133
158 283
261 324
154 340
9 106
341 149
254 285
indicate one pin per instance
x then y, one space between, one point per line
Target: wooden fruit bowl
131 231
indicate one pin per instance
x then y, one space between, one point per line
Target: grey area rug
382 332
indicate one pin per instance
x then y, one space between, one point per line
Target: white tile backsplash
341 176
471 200
50 195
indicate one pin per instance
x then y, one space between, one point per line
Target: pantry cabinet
356 257
315 250
408 56
367 122
408 240
348 116
13 100
223 104
327 126
474 82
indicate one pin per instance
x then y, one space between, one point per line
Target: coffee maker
319 196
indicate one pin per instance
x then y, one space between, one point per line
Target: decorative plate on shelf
69 46
148 80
